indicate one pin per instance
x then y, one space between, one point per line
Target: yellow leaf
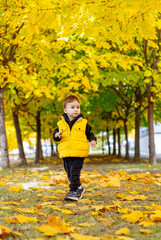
56 226
2 183
86 224
123 231
96 213
77 236
21 219
145 231
134 216
70 205
25 210
6 231
16 188
5 207
124 238
59 238
67 212
156 217
146 223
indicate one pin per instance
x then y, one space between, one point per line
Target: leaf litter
115 204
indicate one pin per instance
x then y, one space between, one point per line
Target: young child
73 132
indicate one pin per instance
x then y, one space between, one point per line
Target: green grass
96 172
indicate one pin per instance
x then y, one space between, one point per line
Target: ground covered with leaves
122 201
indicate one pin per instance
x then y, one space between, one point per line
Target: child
73 132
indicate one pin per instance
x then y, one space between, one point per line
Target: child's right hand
59 135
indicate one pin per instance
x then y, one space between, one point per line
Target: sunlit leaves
55 226
7 231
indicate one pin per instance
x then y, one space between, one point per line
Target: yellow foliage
123 231
134 216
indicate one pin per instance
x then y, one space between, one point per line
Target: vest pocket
79 132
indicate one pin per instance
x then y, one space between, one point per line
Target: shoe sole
71 198
82 194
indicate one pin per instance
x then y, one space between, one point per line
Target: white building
144 139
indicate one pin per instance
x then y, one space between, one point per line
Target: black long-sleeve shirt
89 134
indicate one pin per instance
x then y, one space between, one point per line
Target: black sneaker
80 191
71 195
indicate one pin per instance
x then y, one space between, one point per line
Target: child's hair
70 98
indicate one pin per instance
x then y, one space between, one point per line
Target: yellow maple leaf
156 217
134 216
6 231
56 226
146 223
2 183
123 231
67 212
16 188
77 236
86 224
25 210
124 238
145 231
21 219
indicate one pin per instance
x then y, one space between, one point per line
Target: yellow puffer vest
74 142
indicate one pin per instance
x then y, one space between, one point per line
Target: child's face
72 109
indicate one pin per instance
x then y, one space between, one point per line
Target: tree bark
22 158
119 142
152 154
38 137
4 163
137 133
41 153
114 141
126 138
108 142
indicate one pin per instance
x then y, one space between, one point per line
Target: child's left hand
93 143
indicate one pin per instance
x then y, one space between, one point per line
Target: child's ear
65 110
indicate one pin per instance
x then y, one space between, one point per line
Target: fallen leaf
77 236
145 231
20 219
134 216
6 231
123 231
16 188
56 226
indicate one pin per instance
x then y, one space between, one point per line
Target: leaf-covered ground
122 201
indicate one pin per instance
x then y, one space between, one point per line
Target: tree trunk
51 143
119 142
108 142
114 141
126 138
41 152
38 138
52 148
4 163
152 155
22 157
137 133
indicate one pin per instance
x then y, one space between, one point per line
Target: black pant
73 166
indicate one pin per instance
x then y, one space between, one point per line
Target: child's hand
93 143
59 135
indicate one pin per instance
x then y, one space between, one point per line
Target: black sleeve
57 139
89 134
